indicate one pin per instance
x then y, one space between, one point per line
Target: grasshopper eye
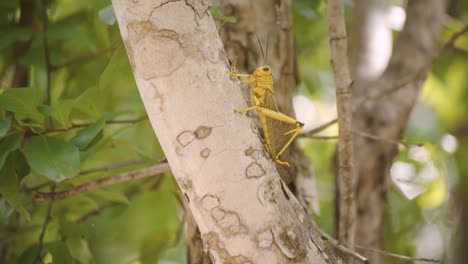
266 69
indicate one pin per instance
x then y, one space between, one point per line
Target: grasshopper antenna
261 48
268 44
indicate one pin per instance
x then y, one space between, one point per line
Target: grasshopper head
262 71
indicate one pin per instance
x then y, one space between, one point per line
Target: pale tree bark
386 117
346 181
244 211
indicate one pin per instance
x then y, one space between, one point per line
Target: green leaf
6 211
8 144
107 15
84 137
216 13
21 101
53 158
44 109
63 30
10 176
59 252
75 239
9 3
61 112
5 126
29 254
11 35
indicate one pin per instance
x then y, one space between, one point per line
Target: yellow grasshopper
276 125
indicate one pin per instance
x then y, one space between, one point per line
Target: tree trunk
244 211
386 117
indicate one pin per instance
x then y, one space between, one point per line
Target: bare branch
86 57
45 24
109 122
377 94
105 206
319 128
129 194
324 137
44 227
116 179
451 42
93 170
113 166
388 140
396 255
338 44
370 136
342 248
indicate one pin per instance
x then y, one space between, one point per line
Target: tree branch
342 248
382 252
129 194
93 170
116 179
109 122
338 44
45 24
85 58
44 227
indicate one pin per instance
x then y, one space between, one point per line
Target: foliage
95 118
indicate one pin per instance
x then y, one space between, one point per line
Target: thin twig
412 77
451 42
346 180
396 255
319 128
324 137
116 179
342 248
370 136
388 140
129 194
45 24
85 58
113 166
93 170
109 122
378 94
44 227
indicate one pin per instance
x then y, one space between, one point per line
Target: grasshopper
279 130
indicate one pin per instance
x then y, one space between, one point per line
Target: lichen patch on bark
266 193
157 56
218 251
185 138
228 221
205 153
209 202
264 238
203 132
254 170
288 241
